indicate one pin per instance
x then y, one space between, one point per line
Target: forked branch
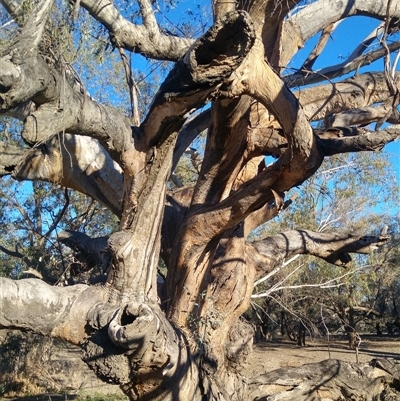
332 247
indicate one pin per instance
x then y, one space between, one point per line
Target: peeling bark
185 341
330 380
332 247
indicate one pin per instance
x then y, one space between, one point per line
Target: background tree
33 216
344 194
184 340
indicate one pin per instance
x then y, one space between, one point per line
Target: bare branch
319 47
306 77
192 128
332 247
365 115
144 39
58 311
335 282
14 254
59 215
34 26
356 92
265 214
34 272
317 15
388 69
361 141
13 201
33 30
133 89
72 161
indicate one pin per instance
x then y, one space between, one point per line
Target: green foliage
32 215
351 193
29 231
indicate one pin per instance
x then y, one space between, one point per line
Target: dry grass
17 385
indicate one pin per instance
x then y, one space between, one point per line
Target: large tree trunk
184 341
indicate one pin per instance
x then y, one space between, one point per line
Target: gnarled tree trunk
182 340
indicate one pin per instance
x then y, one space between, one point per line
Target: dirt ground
271 355
279 353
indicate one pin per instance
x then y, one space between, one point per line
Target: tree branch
361 141
35 24
58 311
189 132
196 76
301 159
72 161
319 47
356 92
89 251
365 115
306 77
144 39
265 214
59 216
332 247
316 16
60 106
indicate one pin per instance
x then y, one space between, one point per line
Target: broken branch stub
221 50
195 77
132 324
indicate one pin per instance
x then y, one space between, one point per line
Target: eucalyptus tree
183 339
348 193
33 215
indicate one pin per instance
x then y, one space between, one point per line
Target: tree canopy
225 75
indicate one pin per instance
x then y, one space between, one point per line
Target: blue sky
340 45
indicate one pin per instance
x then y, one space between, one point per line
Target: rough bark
330 380
185 341
332 247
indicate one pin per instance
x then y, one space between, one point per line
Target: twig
327 333
133 89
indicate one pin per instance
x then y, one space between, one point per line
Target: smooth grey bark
309 20
145 39
31 304
180 354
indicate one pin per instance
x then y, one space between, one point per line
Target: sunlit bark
182 339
